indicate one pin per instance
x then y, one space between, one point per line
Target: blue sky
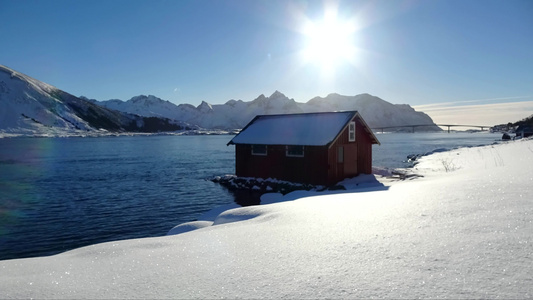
430 54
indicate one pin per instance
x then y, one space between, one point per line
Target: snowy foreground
464 230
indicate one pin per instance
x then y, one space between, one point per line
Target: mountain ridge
32 106
235 114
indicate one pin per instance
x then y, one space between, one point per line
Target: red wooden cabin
315 148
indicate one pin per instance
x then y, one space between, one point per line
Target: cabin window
340 154
295 151
259 149
351 132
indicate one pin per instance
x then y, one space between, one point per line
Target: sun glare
329 43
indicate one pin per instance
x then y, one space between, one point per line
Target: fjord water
58 194
62 193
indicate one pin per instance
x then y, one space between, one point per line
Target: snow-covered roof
309 129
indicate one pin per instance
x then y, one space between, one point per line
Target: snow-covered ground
464 230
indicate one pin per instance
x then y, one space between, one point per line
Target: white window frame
294 155
351 132
260 153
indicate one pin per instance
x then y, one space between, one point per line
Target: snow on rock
461 233
261 185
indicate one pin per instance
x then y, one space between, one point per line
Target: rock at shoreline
269 185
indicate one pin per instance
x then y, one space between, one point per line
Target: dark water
58 194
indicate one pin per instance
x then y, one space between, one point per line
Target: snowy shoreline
464 230
96 134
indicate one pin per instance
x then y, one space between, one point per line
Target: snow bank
472 158
459 232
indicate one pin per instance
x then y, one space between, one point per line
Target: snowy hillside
462 231
237 113
29 105
32 107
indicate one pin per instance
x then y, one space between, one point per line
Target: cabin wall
357 155
312 168
348 168
364 149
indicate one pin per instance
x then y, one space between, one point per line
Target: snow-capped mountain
376 111
237 113
30 106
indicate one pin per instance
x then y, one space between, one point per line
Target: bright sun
329 43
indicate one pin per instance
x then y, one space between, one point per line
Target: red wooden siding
349 168
311 168
364 149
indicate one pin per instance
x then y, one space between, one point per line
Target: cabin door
340 163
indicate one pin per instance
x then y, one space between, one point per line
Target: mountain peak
205 107
140 98
277 94
333 95
260 99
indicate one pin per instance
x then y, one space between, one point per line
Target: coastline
104 133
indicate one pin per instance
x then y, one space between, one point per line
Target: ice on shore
464 230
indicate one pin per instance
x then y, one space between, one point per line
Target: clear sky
443 57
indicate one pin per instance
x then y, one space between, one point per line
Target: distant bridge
427 125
